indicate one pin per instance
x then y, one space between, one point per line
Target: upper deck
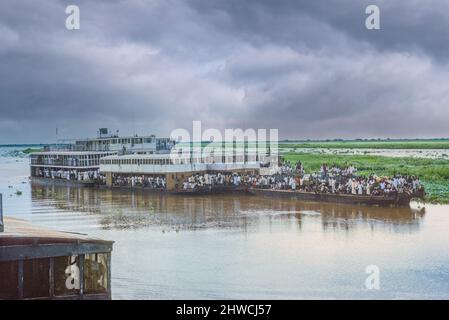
124 144
86 153
68 159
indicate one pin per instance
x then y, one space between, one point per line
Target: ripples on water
241 246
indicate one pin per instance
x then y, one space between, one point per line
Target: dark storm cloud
309 68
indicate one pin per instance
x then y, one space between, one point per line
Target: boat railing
76 148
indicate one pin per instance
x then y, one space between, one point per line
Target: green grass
370 144
31 150
434 173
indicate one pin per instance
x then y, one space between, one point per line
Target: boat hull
62 182
390 200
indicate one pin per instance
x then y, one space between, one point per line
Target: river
244 247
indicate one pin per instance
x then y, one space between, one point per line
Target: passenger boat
77 163
399 199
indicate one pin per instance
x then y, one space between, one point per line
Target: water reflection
133 210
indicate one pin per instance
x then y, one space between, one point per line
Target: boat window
35 278
96 273
67 276
8 279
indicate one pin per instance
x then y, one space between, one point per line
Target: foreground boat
38 263
399 199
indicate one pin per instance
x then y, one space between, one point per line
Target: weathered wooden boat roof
21 232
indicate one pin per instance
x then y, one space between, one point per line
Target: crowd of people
211 180
151 182
334 179
86 175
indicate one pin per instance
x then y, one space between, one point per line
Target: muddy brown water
236 246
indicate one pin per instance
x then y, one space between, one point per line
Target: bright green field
374 144
434 173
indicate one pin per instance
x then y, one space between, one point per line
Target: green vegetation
370 144
434 173
31 150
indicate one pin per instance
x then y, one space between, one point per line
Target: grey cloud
309 68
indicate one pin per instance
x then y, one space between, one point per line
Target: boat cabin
173 169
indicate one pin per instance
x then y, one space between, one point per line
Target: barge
397 199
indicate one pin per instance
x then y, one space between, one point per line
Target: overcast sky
309 68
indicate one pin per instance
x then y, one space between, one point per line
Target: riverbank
434 173
418 144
